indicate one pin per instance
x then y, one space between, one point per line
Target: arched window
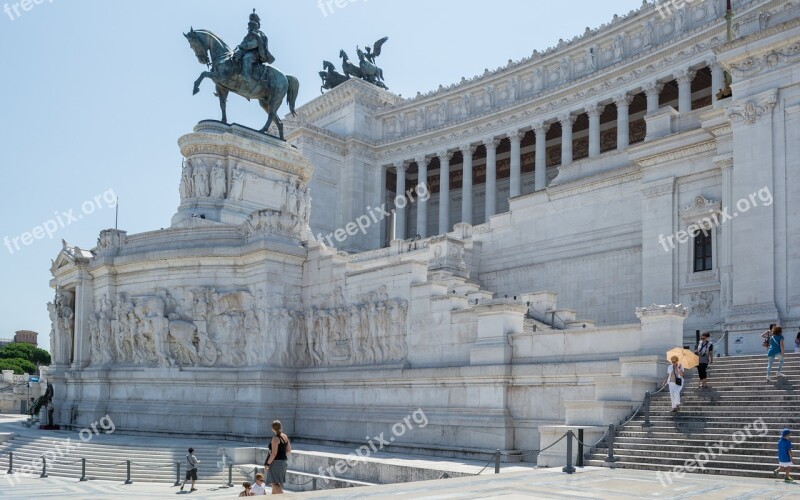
703 260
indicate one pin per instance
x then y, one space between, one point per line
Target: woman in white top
675 381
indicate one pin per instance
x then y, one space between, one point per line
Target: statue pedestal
231 171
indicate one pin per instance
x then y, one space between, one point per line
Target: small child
246 492
784 456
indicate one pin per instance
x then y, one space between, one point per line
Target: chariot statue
366 69
246 71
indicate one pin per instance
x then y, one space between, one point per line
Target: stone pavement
588 483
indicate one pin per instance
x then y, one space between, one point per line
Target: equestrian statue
247 71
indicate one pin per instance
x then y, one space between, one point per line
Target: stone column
540 129
717 80
466 185
491 177
422 204
567 121
84 306
400 217
444 191
594 111
653 90
623 103
684 78
725 243
515 137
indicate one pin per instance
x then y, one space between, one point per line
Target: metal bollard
579 462
230 476
10 463
128 479
313 484
569 469
255 471
610 459
83 470
44 467
177 474
646 404
497 462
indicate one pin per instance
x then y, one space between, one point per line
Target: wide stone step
653 454
723 471
752 445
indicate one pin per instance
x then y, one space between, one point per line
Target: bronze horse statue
330 77
268 85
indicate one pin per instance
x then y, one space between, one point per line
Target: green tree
19 365
25 351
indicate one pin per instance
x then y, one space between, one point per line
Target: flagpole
116 214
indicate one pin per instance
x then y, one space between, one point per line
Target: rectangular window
702 251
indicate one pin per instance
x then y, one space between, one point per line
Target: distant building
22 337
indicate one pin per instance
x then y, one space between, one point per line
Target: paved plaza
588 483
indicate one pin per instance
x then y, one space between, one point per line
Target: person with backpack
705 351
775 348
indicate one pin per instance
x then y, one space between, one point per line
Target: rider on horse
254 48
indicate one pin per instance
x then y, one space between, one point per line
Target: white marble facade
518 310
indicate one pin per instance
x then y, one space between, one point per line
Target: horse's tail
291 96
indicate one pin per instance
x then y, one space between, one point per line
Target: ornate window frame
699 214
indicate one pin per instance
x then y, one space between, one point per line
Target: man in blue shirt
784 456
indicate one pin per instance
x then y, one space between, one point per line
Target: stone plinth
231 171
496 321
662 328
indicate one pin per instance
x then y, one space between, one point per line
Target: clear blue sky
96 93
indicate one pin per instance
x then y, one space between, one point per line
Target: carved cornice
753 110
678 154
699 208
767 61
658 188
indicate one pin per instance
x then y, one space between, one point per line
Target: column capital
541 128
469 149
565 118
422 161
594 110
445 155
685 75
623 100
401 166
653 88
515 135
492 141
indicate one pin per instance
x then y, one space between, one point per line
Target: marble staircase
740 411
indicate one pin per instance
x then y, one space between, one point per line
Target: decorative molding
658 188
751 111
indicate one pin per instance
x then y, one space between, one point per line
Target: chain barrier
153 466
485 466
590 446
298 484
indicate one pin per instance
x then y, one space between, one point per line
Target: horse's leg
265 106
203 75
222 93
